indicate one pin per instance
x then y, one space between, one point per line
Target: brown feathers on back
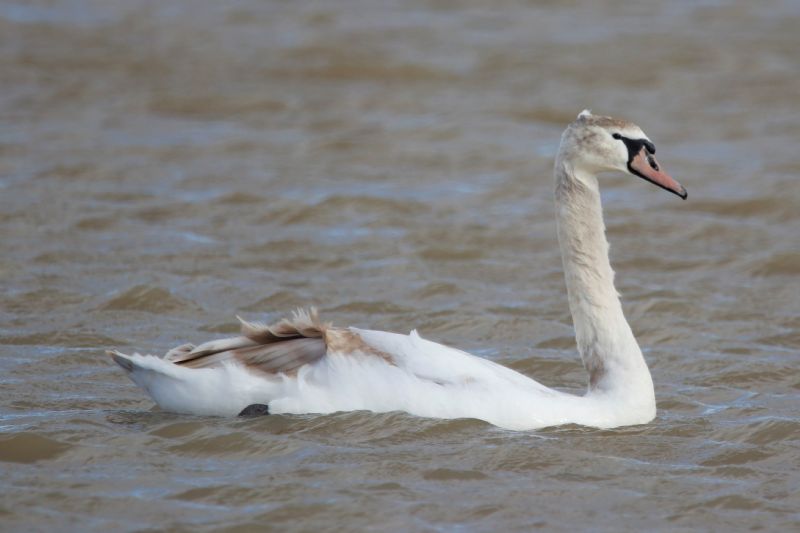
282 347
302 324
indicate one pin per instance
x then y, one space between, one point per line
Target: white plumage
304 366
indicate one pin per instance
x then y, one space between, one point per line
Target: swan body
301 365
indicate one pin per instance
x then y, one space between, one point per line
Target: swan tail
122 360
221 391
136 366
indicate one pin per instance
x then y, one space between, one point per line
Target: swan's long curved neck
606 343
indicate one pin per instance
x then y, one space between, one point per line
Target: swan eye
617 136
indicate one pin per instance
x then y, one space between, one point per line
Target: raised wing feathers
278 348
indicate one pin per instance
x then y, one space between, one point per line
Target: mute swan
301 365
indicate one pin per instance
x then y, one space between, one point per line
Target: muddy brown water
164 167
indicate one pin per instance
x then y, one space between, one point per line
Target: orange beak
645 166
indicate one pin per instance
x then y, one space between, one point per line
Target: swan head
594 144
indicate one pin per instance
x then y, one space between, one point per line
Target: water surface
166 167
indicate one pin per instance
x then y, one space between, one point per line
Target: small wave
30 447
779 264
150 299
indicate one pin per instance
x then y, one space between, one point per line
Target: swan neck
605 341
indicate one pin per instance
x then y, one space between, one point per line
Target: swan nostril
652 162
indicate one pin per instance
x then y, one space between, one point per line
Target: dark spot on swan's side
255 409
